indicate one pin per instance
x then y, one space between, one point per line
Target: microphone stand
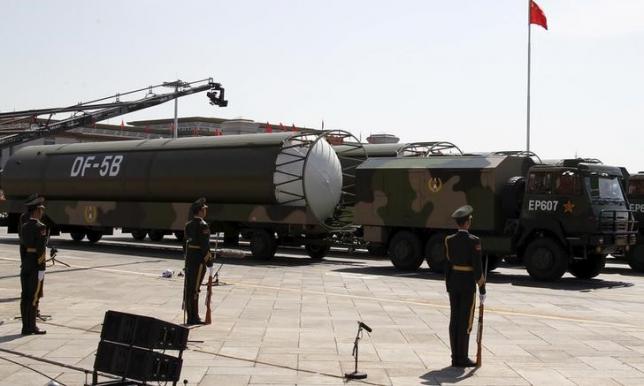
356 374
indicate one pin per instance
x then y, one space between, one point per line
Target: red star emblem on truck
568 207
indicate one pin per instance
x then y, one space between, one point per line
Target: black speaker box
143 331
136 363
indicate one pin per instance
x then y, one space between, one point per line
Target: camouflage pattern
423 192
165 215
571 207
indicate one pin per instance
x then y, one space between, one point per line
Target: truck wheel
546 260
156 235
405 251
317 251
635 257
77 236
139 235
263 244
493 262
435 253
179 236
589 268
94 236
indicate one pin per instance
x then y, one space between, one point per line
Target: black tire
546 260
179 235
156 235
263 244
405 251
94 236
317 251
139 234
493 262
435 253
589 268
635 257
77 236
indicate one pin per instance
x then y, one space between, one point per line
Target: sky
423 70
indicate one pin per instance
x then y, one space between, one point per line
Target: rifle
479 332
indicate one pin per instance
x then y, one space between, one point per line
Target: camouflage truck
277 188
554 217
635 189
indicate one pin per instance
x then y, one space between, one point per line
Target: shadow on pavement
522 279
9 338
447 375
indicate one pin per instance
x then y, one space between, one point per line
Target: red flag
268 129
537 16
122 124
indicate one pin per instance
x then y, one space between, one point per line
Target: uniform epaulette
203 222
451 236
472 237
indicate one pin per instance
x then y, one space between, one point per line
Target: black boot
463 348
34 328
26 318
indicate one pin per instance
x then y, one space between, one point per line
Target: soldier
463 272
33 239
198 258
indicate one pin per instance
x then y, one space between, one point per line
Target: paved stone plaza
292 321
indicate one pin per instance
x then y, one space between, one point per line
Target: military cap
198 205
35 200
463 211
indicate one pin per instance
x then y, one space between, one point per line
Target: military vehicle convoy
635 192
556 217
296 189
273 187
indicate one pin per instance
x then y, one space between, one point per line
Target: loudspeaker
143 331
136 363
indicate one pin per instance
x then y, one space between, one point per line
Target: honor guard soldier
463 273
198 258
33 241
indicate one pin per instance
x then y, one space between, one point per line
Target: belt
463 268
32 250
194 247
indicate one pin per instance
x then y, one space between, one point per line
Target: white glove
482 298
41 275
209 271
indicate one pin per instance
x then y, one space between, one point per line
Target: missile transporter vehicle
555 217
635 192
275 188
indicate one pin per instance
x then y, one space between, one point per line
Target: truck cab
573 214
635 194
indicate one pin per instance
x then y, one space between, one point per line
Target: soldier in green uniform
463 273
33 241
198 258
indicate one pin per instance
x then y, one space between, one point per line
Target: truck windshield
604 187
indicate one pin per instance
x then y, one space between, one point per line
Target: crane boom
91 112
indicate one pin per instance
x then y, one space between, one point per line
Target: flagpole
528 99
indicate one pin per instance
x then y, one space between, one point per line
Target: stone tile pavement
292 321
